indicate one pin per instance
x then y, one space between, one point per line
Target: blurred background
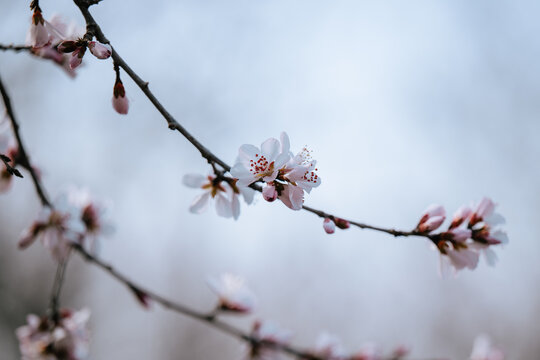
404 104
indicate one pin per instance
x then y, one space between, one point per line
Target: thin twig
209 318
55 293
23 158
15 48
95 30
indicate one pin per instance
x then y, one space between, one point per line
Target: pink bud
329 226
460 235
67 46
342 223
269 193
119 100
431 224
432 218
460 216
99 50
76 57
38 36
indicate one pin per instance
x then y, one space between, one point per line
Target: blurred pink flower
329 226
233 293
41 339
432 219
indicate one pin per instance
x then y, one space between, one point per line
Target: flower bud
67 46
119 100
461 215
269 193
329 226
342 223
38 36
432 218
99 50
76 57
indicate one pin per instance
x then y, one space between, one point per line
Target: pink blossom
292 196
119 100
233 293
38 35
300 170
254 164
432 219
41 339
329 226
459 234
483 350
460 216
224 193
99 50
92 214
269 192
269 335
57 228
329 346
76 57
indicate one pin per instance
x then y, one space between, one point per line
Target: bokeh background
403 103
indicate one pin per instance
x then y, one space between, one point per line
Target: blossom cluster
285 176
472 231
66 338
75 218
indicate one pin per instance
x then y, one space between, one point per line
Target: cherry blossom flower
233 293
119 100
329 226
300 171
269 335
60 36
285 176
91 213
57 228
76 57
38 33
41 339
483 222
483 350
224 193
254 164
328 346
432 218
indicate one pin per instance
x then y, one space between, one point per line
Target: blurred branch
15 48
11 170
24 160
93 29
210 318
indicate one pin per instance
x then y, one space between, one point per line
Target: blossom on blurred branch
75 218
286 176
233 293
269 335
42 339
469 234
224 193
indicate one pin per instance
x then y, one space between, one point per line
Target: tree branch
23 158
93 29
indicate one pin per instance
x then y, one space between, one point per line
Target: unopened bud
99 50
329 226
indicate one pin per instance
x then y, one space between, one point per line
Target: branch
93 29
23 158
16 48
208 318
